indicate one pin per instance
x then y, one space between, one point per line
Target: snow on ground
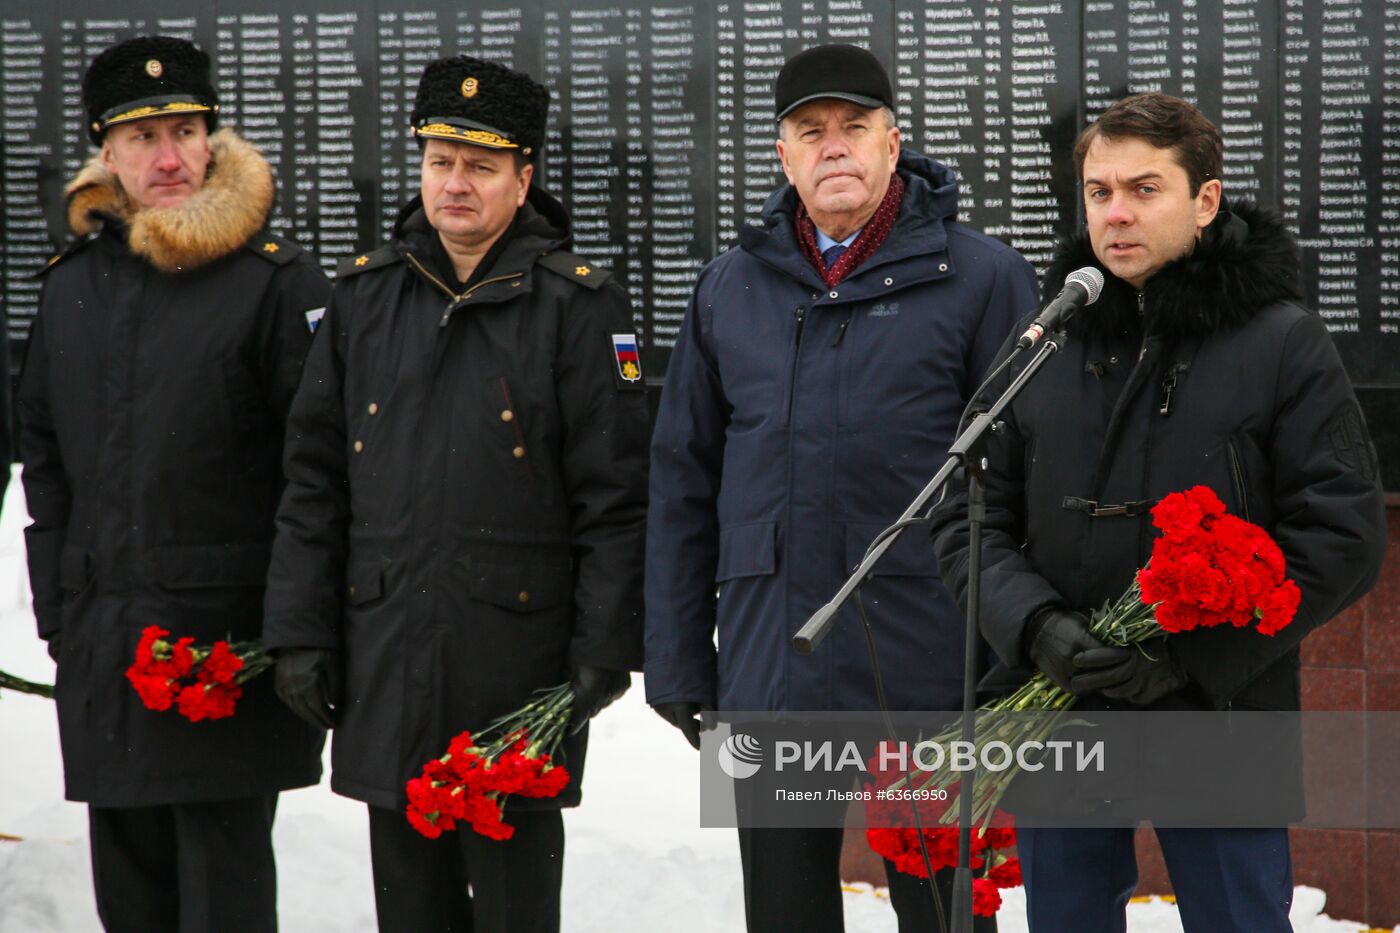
636 858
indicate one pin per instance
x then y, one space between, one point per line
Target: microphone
1082 287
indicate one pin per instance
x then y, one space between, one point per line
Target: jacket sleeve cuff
681 680
611 657
299 630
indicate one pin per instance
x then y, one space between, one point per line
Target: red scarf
864 245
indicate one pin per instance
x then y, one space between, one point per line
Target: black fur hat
148 76
468 100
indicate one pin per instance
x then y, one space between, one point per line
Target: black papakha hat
467 100
846 72
148 76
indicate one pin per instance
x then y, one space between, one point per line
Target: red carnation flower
222 665
1007 874
208 701
986 898
156 692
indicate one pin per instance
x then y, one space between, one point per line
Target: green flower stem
1127 621
543 719
20 685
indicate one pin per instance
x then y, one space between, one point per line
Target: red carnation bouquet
201 682
1208 568
512 755
891 832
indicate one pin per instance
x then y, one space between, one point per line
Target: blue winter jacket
797 421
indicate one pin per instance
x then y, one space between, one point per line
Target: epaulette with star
74 247
575 268
275 249
374 259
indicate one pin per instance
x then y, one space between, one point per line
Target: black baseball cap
846 72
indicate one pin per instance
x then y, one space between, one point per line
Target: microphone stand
965 453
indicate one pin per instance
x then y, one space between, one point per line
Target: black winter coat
466 495
160 368
1225 380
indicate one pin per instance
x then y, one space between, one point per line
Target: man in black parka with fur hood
466 501
167 348
1197 365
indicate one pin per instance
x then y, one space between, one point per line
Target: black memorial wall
662 138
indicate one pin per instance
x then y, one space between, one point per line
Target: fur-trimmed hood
228 210
1245 261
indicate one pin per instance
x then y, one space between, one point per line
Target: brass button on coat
359 447
352 589
524 596
519 453
507 415
374 408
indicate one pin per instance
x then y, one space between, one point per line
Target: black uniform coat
466 494
165 354
1214 374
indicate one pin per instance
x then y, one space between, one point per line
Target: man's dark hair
1165 122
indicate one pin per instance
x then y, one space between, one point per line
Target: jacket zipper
455 298
1142 317
1169 383
1237 476
801 315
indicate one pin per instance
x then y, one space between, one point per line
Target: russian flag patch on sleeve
629 364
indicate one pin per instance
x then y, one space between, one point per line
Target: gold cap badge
154 68
470 86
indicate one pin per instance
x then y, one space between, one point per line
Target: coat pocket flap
748 550
192 567
75 567
911 555
364 580
521 579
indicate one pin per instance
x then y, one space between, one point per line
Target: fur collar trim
1246 261
227 211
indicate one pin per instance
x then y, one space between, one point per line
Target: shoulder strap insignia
364 262
275 249
575 268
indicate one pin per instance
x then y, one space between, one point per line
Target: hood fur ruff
1246 261
227 211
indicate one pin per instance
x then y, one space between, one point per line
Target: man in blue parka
814 388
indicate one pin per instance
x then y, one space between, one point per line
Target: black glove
55 646
594 689
683 717
1148 673
308 681
1055 636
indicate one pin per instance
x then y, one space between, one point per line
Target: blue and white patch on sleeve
313 318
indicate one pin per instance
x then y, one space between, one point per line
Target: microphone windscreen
1090 279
